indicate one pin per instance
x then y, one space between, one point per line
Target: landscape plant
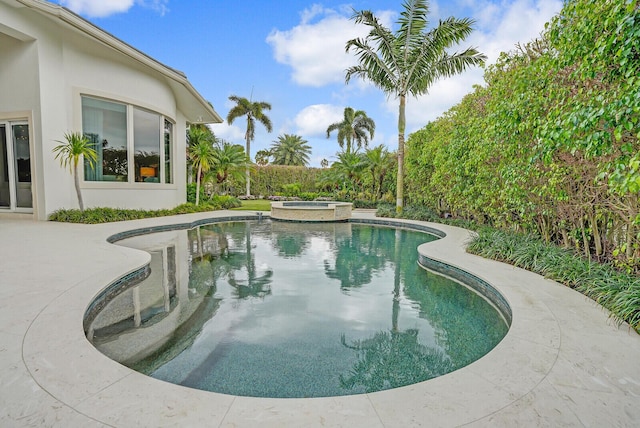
354 131
75 147
291 150
201 153
550 144
229 164
409 60
107 215
254 111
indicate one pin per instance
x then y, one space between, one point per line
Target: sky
291 54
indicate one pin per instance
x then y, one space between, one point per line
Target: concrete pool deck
563 362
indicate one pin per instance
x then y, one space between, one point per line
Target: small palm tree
230 162
410 60
353 129
262 157
350 166
380 162
253 111
201 154
290 150
75 146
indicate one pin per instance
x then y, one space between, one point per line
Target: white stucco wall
49 67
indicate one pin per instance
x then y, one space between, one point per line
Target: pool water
271 309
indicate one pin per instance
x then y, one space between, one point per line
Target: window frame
130 106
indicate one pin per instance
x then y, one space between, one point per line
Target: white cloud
98 8
499 29
315 52
313 121
315 48
230 133
104 8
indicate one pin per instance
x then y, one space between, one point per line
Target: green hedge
276 179
107 215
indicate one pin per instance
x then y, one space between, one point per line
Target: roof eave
199 111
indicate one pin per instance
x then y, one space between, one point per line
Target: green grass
255 205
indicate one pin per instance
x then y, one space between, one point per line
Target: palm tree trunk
395 311
247 171
198 184
76 181
400 178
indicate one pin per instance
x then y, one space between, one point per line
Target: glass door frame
12 170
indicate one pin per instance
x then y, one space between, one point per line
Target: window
132 144
146 143
168 144
105 123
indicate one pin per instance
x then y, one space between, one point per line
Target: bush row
106 215
617 291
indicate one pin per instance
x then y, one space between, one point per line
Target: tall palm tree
201 154
291 150
353 129
410 60
75 146
253 111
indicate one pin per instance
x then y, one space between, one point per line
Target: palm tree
290 150
380 162
192 139
262 157
253 111
353 129
230 162
75 146
410 60
350 167
201 154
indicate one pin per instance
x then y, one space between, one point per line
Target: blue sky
291 55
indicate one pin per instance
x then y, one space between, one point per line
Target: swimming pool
311 309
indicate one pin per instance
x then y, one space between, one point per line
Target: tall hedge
550 144
269 179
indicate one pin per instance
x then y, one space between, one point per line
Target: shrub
191 193
291 189
107 215
225 201
365 204
619 292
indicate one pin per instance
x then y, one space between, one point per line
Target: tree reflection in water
216 258
358 257
390 359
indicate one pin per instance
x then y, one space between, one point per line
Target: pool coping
561 363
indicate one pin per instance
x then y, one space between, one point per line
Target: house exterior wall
45 69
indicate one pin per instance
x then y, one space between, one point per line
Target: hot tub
311 211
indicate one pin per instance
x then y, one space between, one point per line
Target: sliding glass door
15 167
